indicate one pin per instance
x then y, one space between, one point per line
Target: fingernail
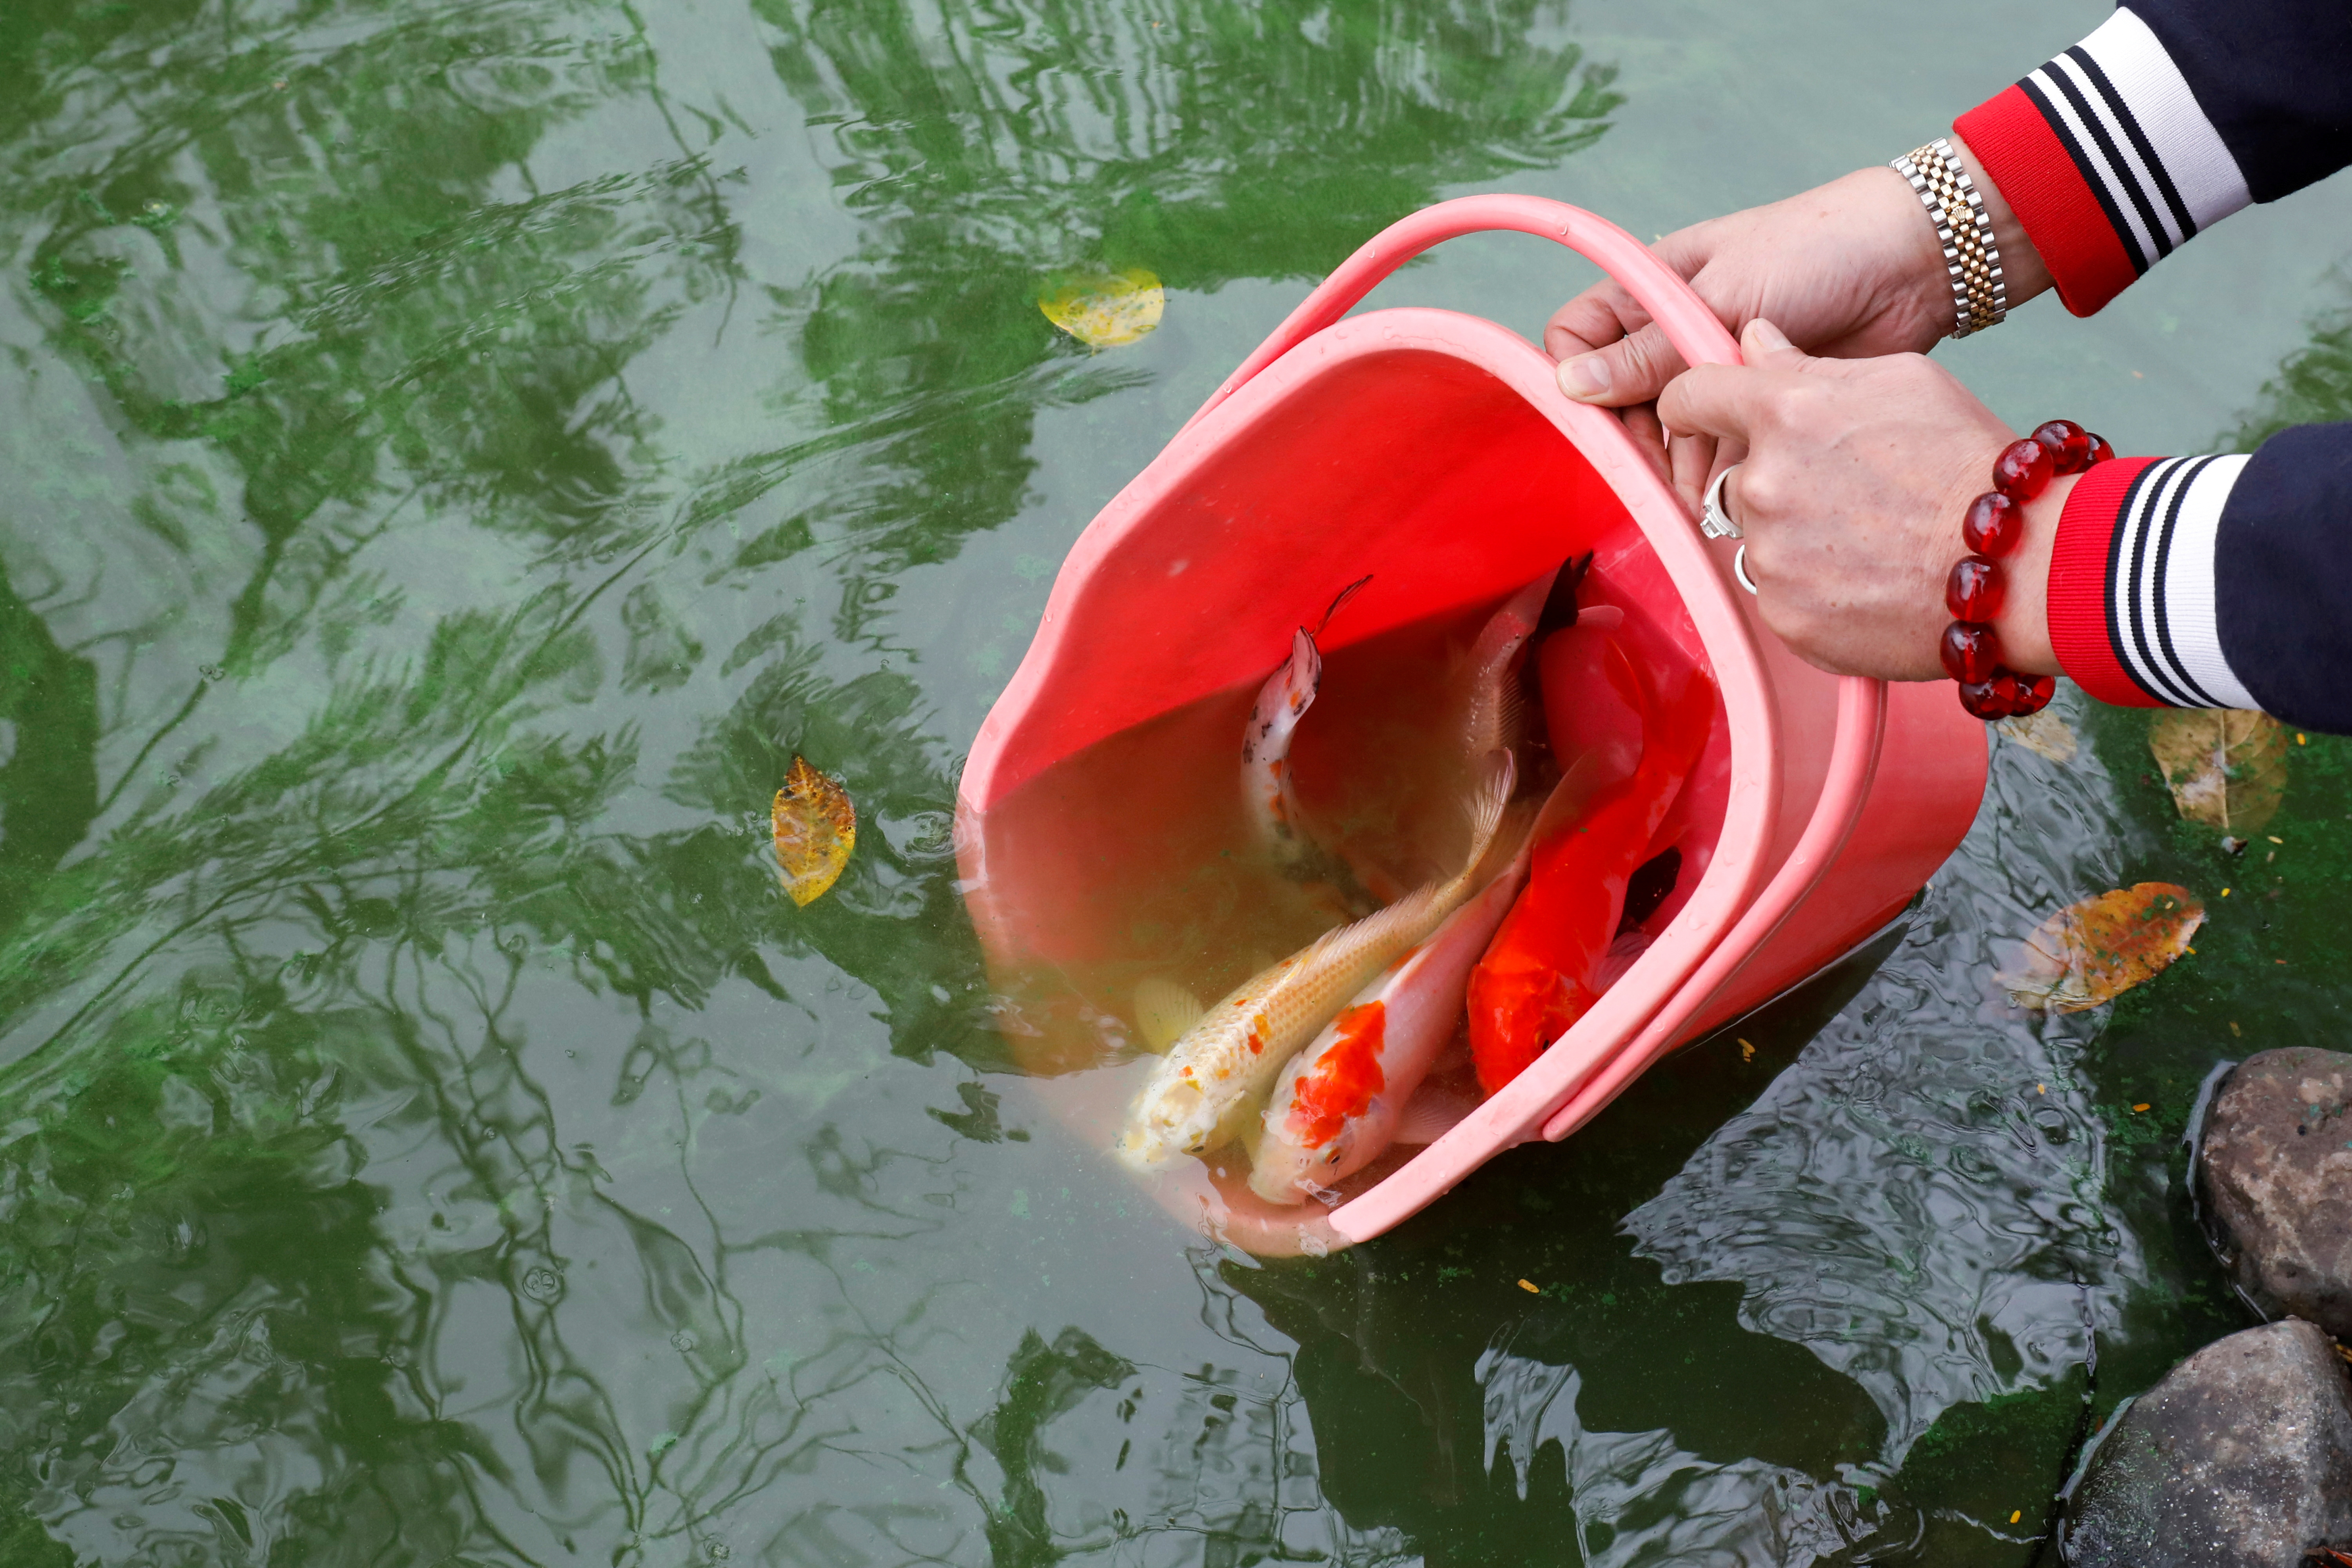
1585 378
1770 336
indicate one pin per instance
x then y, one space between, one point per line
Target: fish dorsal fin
1346 594
1411 912
1164 1010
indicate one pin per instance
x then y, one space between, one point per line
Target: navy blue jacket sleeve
2192 582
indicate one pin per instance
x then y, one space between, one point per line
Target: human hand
1857 474
1851 269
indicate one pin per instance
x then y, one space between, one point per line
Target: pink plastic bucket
1433 450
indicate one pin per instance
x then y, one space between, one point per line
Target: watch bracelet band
1971 254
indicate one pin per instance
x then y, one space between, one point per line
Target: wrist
1924 268
2023 268
2023 622
1918 255
1997 645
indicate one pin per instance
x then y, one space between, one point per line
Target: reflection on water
1918 1198
456 457
1637 1498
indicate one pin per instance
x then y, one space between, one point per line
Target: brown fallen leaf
2226 766
1103 309
816 827
2043 733
2094 949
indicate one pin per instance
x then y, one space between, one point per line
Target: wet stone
2276 1176
2241 1458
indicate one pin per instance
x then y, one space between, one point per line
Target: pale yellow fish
1490 712
1211 1085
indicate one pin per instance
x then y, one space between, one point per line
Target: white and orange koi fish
1339 1103
1268 791
1336 1105
1212 1083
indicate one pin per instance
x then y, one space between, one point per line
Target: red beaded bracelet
1994 523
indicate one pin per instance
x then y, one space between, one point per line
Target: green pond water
452 457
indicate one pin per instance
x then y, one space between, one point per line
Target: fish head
1283 1168
1287 1169
1326 1117
1286 695
1171 1118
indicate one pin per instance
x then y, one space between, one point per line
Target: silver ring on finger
1740 570
1713 520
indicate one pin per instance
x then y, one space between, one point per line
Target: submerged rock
2276 1172
2241 1458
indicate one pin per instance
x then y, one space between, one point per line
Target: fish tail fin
1488 812
1489 803
1511 712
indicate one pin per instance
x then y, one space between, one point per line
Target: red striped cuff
2108 159
2082 566
2034 171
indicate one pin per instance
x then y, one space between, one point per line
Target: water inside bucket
1133 861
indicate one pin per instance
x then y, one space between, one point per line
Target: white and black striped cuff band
2135 131
2162 615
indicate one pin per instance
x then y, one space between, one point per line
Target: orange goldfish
1540 975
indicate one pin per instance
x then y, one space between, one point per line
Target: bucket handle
1680 313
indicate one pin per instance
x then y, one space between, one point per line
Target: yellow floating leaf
2095 950
2226 766
2043 733
816 827
1102 308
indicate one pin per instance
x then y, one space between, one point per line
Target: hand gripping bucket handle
1701 339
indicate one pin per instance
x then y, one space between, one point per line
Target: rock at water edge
2276 1175
2241 1458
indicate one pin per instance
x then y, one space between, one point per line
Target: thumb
1720 400
1633 369
1766 347
1717 400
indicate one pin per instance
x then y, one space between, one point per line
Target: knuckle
1631 357
1645 353
1761 491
